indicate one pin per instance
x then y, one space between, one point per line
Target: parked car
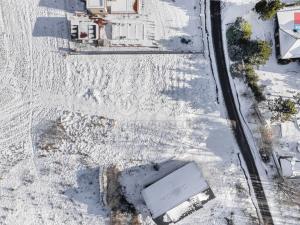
298 146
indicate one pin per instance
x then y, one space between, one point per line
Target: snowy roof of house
95 4
289 37
174 189
124 6
290 167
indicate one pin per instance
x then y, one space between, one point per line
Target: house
83 29
104 7
288 22
290 167
177 195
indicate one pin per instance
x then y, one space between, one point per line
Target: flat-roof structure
103 7
83 29
128 31
175 193
289 32
290 167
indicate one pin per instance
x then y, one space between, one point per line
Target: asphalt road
233 115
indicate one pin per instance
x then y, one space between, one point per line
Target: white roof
128 31
290 167
123 6
174 189
95 4
289 39
175 213
286 167
85 28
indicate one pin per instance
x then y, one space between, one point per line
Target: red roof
297 17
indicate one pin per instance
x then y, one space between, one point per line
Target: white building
173 196
289 32
290 167
103 7
84 29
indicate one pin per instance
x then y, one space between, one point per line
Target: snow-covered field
278 80
63 117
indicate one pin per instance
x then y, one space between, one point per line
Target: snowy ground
278 80
159 107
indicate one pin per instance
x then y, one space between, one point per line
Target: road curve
233 114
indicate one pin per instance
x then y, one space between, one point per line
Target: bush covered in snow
267 9
257 52
239 32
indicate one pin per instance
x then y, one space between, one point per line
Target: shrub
267 9
252 79
288 106
237 69
261 7
246 30
239 32
257 52
235 53
284 108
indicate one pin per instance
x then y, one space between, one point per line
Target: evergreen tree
268 9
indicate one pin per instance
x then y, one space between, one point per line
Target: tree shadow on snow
65 5
87 190
194 85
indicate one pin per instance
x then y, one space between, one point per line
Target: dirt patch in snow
122 212
74 129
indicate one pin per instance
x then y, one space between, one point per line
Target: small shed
177 194
290 167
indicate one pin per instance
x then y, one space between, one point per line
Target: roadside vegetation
268 8
283 109
247 54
